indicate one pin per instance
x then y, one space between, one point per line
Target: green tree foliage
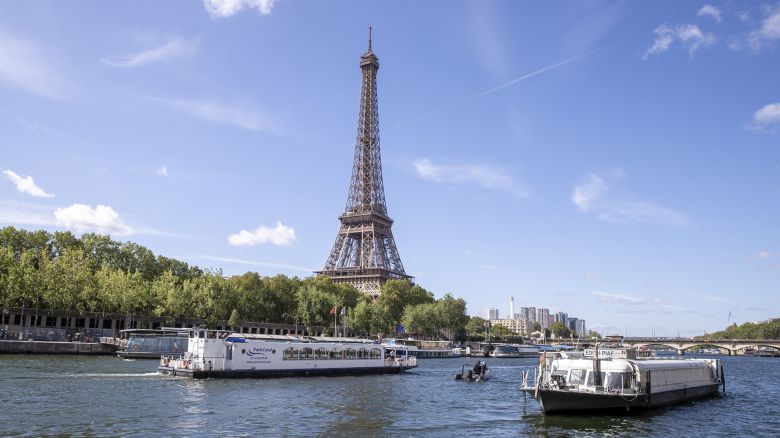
500 332
235 320
560 330
769 329
370 317
451 313
94 273
592 334
397 294
475 327
423 319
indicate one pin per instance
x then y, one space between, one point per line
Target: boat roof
159 331
304 339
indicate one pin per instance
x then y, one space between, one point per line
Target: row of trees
769 329
93 273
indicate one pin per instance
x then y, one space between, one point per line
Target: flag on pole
343 311
333 310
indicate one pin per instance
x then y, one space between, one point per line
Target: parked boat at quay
217 353
422 349
766 352
512 350
616 379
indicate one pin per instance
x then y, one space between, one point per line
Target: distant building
572 325
516 326
511 307
550 320
491 313
581 328
563 318
528 314
543 318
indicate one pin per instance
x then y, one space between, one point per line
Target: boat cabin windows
591 378
290 353
577 377
333 353
617 380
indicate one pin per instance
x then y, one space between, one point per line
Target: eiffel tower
364 254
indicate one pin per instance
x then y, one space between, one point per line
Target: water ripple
79 395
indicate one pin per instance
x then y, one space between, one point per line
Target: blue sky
619 161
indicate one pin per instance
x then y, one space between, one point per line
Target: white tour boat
217 353
511 350
616 379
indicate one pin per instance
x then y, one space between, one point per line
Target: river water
99 396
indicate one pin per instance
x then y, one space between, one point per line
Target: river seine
100 396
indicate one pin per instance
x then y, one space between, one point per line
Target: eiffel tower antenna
364 253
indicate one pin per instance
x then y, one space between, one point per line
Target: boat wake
152 374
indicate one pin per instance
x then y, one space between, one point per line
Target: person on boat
479 367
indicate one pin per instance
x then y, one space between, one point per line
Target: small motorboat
477 373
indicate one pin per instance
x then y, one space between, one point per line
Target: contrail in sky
492 90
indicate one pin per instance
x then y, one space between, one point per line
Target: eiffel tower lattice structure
364 253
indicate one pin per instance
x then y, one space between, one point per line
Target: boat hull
205 374
555 401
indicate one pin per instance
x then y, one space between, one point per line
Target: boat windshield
617 380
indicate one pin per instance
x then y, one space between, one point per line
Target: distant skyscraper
563 318
528 314
511 307
491 313
572 324
543 318
581 327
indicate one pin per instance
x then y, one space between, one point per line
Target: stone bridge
732 346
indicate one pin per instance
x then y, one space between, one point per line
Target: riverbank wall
48 347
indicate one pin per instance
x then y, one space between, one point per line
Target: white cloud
30 125
482 175
766 117
588 191
763 254
226 8
102 219
764 35
26 184
277 236
176 47
710 11
25 213
163 171
222 113
770 27
590 196
689 36
24 66
282 266
607 297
